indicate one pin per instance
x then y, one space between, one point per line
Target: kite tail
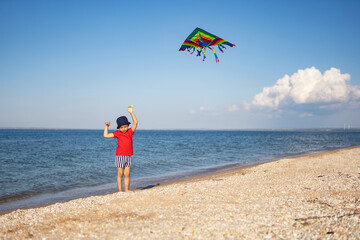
192 51
199 52
219 46
216 57
204 54
222 46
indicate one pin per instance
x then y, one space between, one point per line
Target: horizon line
187 129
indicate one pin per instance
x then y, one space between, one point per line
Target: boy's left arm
135 121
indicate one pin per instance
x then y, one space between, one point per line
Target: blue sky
77 64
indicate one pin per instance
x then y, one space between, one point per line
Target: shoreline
155 182
198 177
314 196
237 170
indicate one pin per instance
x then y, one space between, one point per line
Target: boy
124 149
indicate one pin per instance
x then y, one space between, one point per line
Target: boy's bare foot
128 191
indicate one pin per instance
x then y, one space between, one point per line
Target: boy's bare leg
127 179
119 178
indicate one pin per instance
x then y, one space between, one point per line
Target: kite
200 39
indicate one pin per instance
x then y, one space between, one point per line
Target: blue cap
122 121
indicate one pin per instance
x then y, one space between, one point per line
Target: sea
43 166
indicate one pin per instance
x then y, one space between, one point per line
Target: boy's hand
108 124
130 110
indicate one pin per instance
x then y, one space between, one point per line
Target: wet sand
309 197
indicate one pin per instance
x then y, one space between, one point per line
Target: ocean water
46 166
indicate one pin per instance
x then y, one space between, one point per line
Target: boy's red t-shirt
124 140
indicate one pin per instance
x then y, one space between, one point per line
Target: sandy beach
310 197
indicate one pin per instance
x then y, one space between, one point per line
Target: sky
77 64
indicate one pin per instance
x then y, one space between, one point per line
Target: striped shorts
122 161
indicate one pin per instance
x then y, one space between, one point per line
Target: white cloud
192 111
272 96
355 92
201 109
304 115
204 110
308 86
233 108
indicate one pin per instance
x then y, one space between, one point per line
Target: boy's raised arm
135 121
106 131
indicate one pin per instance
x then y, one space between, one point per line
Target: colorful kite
200 39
